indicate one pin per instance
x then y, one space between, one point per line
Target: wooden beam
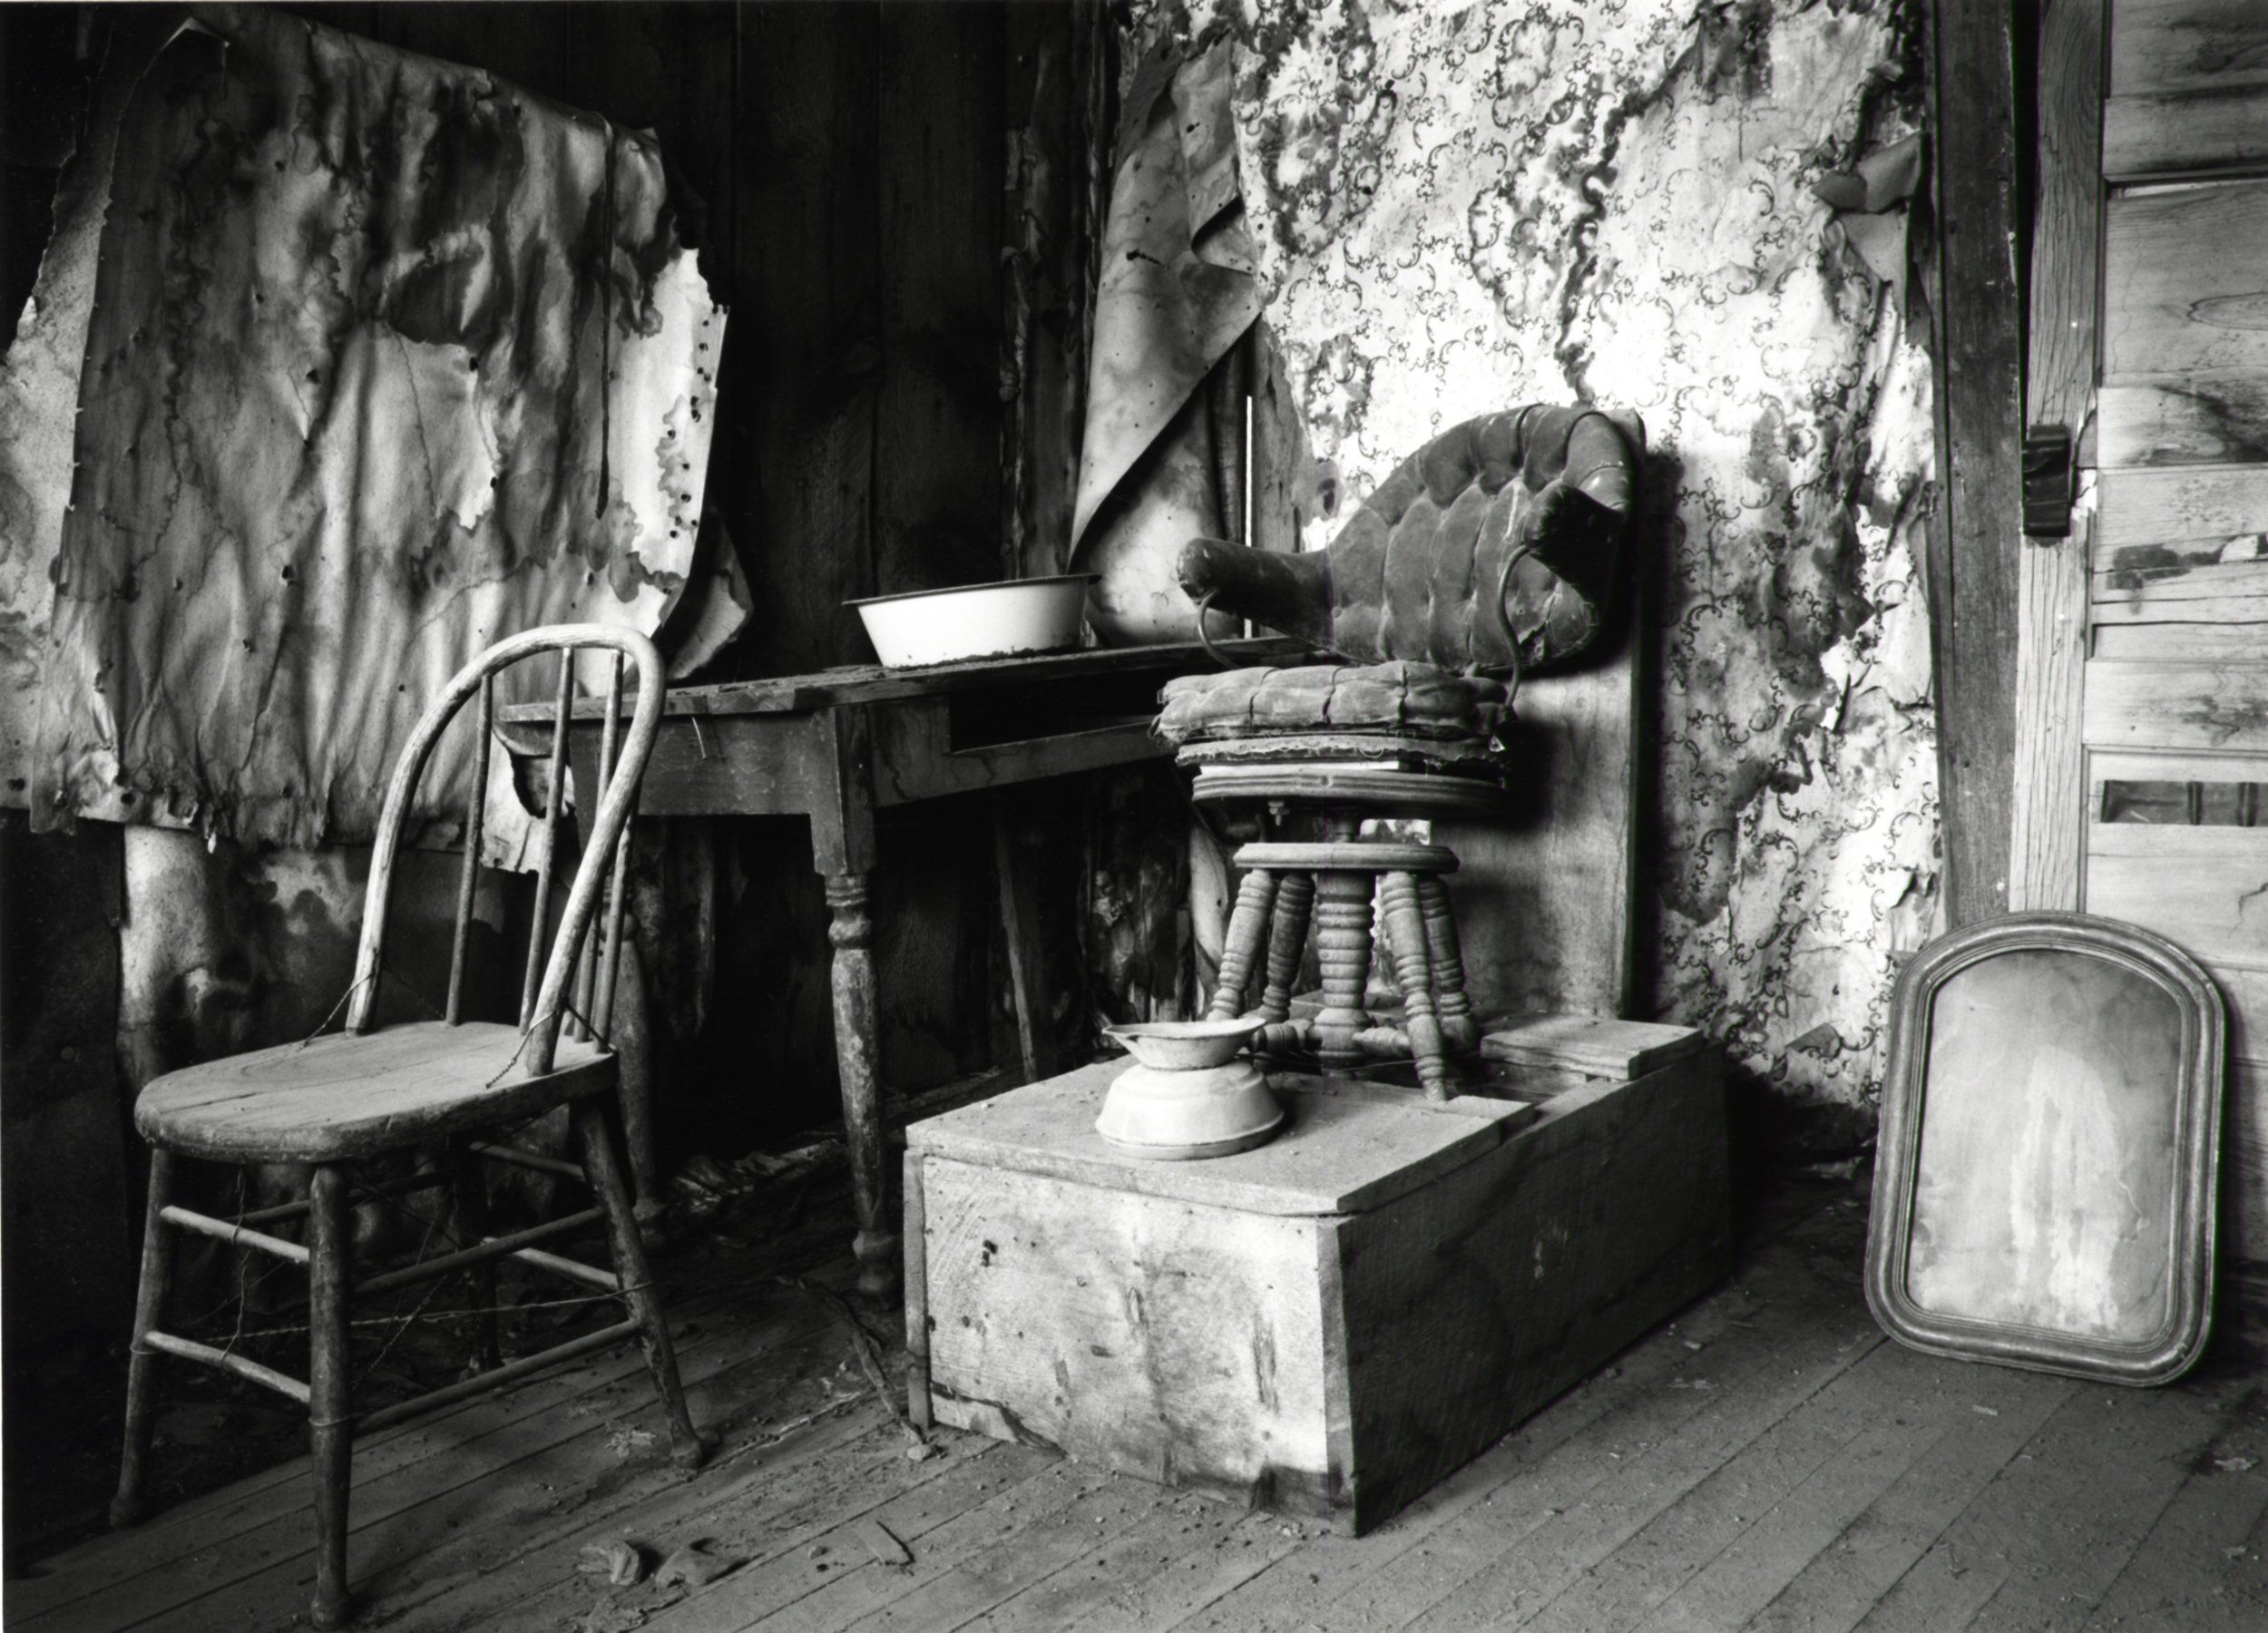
2045 818
1973 570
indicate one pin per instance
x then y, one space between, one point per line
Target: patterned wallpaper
1462 208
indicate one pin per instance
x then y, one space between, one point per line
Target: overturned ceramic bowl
976 620
1187 1095
1185 1045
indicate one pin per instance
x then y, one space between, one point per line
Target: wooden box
1329 1324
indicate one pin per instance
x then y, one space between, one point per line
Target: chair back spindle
551 979
553 793
579 1018
468 879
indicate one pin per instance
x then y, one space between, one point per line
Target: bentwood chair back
454 1087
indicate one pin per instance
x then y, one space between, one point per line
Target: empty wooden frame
2050 1127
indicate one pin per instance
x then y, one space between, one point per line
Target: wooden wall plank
2196 643
2196 131
2211 417
2165 506
1974 569
940 73
2160 44
2044 818
2209 708
2051 656
2245 1170
807 327
1055 58
2185 280
2203 888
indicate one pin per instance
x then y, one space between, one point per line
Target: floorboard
1768 1464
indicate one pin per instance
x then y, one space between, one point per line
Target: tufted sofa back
1414 572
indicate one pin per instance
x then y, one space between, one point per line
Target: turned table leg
850 932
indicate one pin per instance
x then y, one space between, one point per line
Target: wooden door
2142 705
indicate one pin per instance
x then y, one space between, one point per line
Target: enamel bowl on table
1189 1094
976 620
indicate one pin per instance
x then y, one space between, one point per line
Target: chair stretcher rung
591 1275
237 1234
267 1377
391 1187
511 1372
528 1160
464 1259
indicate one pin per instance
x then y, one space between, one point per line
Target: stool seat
1346 856
1353 787
345 1095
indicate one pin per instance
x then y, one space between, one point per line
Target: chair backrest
546 999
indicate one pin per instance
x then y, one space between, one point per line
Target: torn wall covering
1462 208
385 359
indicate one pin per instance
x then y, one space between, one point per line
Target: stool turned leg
1341 913
1247 925
1459 1031
142 1371
1288 942
328 1411
469 1203
1405 934
631 1269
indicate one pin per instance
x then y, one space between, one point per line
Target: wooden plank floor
1769 1463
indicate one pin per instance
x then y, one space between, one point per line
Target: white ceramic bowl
1185 1045
1183 1116
976 620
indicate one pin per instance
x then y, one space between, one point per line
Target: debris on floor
693 1566
622 1563
883 1543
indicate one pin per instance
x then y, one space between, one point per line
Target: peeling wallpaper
385 359
1463 208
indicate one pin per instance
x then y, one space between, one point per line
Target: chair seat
345 1095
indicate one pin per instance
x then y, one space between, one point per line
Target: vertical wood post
1973 567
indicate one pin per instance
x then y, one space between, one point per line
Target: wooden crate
1331 1323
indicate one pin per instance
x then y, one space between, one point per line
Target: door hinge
2049 472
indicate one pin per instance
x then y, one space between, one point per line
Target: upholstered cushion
1414 700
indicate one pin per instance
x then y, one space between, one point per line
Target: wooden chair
345 1097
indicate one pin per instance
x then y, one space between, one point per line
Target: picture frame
2047 1162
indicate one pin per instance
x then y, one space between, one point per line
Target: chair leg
142 1372
469 1202
1459 1031
1343 952
329 1412
1240 949
612 1191
1405 938
1287 944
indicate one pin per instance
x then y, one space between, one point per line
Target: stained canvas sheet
387 359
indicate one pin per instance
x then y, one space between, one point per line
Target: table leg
851 930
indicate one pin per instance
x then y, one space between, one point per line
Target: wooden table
837 745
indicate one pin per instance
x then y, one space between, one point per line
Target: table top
872 683
1347 1146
